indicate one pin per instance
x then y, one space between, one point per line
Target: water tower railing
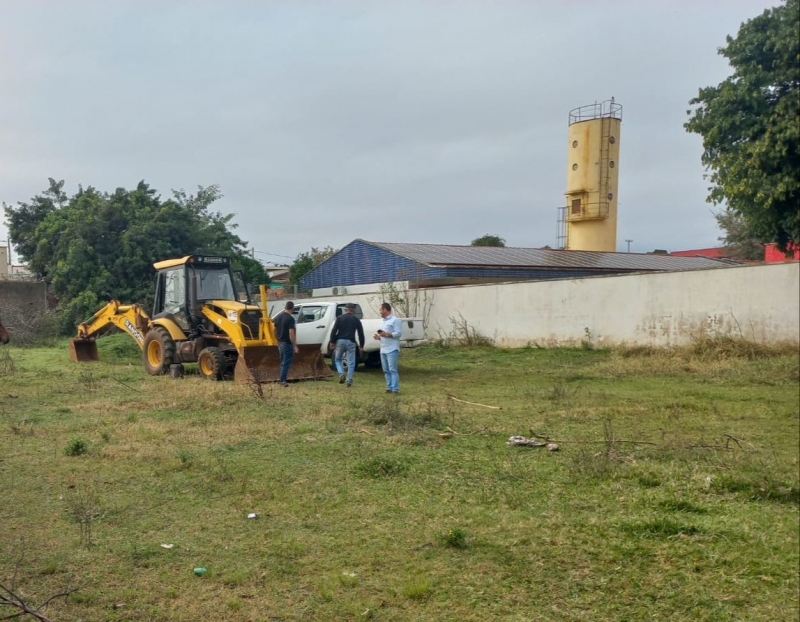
608 109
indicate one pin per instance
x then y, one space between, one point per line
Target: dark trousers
287 354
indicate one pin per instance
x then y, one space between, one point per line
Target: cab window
174 290
310 313
213 284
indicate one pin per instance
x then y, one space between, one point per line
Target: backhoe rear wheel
158 352
212 363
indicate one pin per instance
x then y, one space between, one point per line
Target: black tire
158 351
373 360
212 363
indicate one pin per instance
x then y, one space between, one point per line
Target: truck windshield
214 284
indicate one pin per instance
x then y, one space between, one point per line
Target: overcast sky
402 121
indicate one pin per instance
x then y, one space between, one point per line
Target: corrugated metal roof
450 255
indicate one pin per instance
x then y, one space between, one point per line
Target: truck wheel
212 363
158 351
373 360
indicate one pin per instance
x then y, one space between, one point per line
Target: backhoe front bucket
263 364
83 350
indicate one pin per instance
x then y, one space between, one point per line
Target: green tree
739 243
253 270
94 245
23 220
751 136
306 262
488 240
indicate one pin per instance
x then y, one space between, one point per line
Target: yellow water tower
589 218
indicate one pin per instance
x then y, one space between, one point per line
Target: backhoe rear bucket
83 350
263 364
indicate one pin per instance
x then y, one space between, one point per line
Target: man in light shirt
389 334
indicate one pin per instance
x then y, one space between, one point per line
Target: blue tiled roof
362 261
450 255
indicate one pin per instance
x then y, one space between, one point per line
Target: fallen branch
452 431
610 441
730 438
15 601
9 597
455 399
481 431
127 386
727 446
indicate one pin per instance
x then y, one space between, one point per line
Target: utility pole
629 245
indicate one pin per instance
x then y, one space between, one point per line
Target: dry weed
706 356
734 346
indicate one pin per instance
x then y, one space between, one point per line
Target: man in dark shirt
343 338
287 340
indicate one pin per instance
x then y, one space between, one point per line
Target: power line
271 254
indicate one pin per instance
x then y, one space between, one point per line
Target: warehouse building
429 265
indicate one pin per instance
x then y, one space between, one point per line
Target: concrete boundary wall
664 309
23 294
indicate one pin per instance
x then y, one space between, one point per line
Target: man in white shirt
389 334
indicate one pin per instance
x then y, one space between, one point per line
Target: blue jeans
345 348
389 364
287 354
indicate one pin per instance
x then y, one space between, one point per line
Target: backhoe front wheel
212 363
158 351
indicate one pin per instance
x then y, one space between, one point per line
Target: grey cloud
322 122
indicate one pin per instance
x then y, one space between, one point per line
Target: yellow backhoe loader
202 313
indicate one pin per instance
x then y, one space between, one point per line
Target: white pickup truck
315 322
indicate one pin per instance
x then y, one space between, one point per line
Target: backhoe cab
202 313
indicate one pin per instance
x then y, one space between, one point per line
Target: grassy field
674 495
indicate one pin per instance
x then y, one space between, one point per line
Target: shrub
7 364
27 326
736 346
417 588
382 467
455 538
462 334
76 447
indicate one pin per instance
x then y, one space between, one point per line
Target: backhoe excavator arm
130 318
